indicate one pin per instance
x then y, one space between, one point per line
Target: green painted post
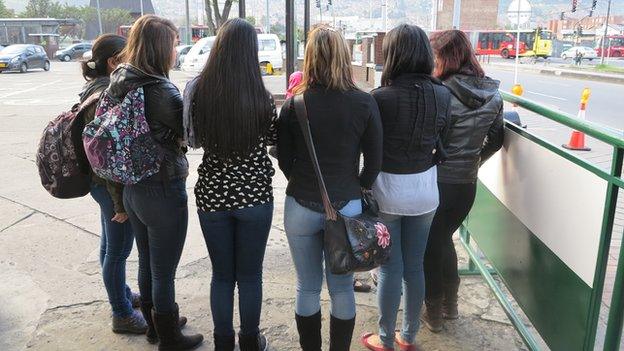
603 250
613 334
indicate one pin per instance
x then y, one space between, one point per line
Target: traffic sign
520 8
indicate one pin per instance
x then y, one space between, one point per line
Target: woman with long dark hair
117 238
475 133
344 122
231 115
414 110
157 206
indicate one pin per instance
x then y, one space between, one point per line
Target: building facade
474 14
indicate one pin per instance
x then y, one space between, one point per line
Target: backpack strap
92 99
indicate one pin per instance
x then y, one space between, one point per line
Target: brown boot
432 315
449 305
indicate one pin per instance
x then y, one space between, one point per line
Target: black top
476 129
343 124
241 182
163 111
415 113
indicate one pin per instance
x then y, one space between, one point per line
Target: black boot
146 310
340 333
168 330
256 342
224 343
309 329
449 304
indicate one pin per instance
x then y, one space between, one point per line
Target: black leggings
440 262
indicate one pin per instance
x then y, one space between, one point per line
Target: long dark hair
231 106
105 47
150 45
454 54
406 49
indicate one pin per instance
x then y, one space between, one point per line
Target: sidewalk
52 296
562 72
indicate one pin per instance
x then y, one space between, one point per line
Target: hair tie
91 64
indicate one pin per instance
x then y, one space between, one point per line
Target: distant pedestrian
344 122
578 58
117 237
234 120
475 133
157 206
293 81
414 110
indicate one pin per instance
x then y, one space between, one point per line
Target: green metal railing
614 180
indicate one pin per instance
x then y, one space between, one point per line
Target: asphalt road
606 104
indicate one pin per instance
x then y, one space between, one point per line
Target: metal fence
543 222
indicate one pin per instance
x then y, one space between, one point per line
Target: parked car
181 52
197 56
22 57
270 51
587 52
72 52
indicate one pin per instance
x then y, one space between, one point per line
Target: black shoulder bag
352 244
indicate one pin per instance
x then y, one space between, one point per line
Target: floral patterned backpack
118 142
61 161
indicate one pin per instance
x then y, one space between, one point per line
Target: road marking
545 95
30 89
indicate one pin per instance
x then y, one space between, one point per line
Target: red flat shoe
403 346
372 342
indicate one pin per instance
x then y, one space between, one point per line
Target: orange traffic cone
577 142
577 139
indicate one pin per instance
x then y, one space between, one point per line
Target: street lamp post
141 1
189 30
606 32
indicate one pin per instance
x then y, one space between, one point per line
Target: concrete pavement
52 296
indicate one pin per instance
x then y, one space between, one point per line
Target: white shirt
407 194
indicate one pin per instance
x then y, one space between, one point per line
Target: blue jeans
115 245
236 242
303 230
159 217
409 242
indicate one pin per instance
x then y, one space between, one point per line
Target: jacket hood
472 91
94 86
127 77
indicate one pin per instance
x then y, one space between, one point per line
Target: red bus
198 32
502 42
613 48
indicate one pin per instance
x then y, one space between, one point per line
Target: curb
567 73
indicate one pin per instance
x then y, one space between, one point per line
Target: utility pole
141 1
189 30
99 14
306 22
517 58
606 32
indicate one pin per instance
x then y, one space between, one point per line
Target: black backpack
63 166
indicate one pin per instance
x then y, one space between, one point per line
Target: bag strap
302 116
93 98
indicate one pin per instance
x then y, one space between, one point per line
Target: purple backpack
118 142
61 161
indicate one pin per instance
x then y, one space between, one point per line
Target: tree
216 17
40 8
5 12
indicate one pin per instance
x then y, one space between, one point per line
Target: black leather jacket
414 111
163 110
476 130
